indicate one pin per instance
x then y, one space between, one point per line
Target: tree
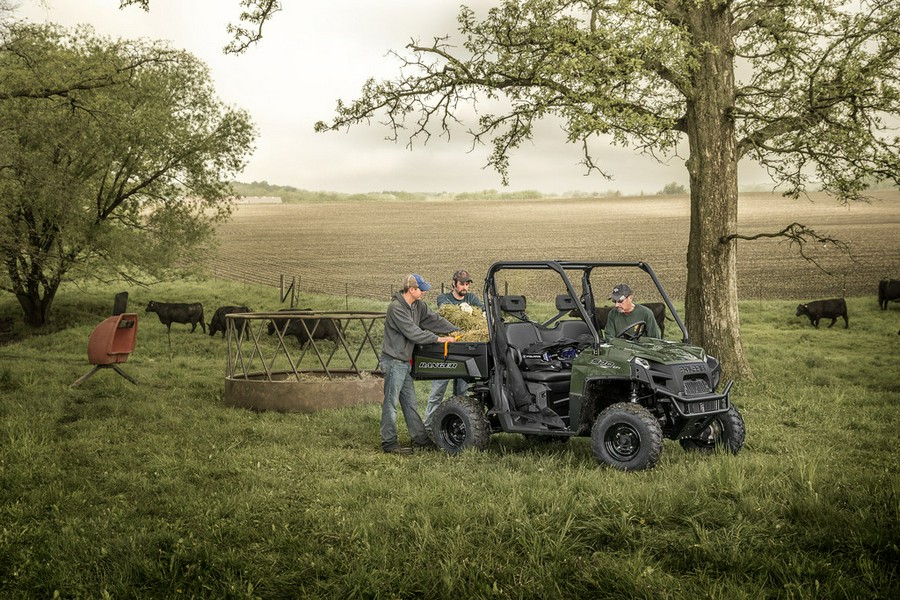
804 88
672 189
249 29
114 160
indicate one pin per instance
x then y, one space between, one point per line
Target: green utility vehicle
560 377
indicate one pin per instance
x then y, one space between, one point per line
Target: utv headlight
715 371
641 362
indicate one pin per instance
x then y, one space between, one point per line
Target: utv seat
522 335
572 328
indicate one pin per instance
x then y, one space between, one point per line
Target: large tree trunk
35 307
711 299
34 290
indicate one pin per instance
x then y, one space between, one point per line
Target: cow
169 313
321 329
824 309
219 323
888 291
657 308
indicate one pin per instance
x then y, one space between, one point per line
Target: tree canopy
807 89
249 28
114 161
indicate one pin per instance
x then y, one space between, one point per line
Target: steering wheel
633 332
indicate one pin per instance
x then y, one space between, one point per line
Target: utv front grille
702 407
694 387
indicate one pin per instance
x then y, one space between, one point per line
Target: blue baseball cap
416 281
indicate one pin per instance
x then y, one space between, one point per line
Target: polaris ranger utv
562 377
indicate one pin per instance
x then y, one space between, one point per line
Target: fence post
293 291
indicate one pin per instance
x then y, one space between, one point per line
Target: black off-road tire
458 423
725 432
627 437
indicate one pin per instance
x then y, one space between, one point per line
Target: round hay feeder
284 393
276 361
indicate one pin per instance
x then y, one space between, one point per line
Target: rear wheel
726 431
459 422
627 437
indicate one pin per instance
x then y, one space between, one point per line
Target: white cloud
315 53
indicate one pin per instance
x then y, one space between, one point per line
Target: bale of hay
472 325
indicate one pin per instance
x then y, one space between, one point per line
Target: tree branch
801 235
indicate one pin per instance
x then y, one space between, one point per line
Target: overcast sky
315 53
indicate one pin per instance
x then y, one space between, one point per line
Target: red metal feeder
110 343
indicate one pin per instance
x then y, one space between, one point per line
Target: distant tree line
290 194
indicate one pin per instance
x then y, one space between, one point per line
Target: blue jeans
398 386
438 387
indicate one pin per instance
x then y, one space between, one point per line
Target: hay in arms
472 325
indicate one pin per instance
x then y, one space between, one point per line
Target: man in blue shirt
462 297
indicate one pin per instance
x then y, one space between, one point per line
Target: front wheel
459 423
627 437
726 431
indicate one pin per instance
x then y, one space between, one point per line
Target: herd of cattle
888 291
192 314
325 329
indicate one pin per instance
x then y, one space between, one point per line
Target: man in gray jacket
408 322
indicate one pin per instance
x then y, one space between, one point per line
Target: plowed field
364 248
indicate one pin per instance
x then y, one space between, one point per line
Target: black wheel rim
712 435
453 431
622 441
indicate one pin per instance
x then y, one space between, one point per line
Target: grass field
356 247
157 490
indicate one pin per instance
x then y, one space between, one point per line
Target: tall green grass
158 490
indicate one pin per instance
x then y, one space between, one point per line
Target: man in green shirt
627 313
462 297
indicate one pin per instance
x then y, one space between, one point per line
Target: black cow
824 309
657 308
321 329
169 313
888 291
218 321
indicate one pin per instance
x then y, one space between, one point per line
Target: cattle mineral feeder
177 312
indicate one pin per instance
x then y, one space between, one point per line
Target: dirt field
366 247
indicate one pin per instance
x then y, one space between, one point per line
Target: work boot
398 450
